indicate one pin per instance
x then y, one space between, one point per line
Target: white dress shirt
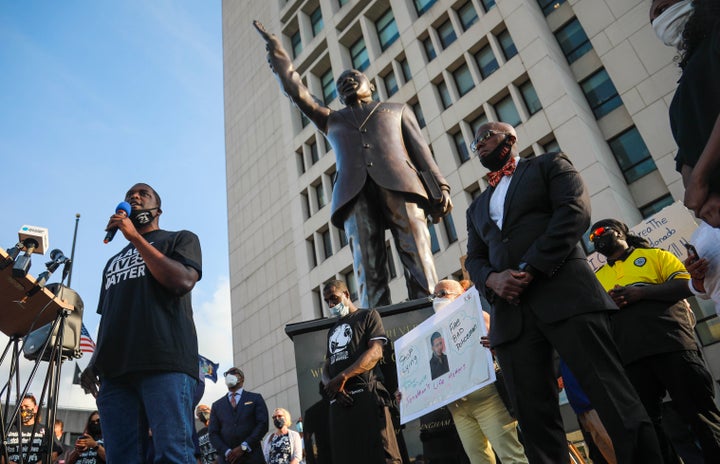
497 199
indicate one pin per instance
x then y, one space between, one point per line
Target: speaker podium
25 308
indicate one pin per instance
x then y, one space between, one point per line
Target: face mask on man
231 380
497 158
607 244
299 427
340 310
140 217
669 26
440 303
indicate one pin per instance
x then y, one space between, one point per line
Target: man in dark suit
524 257
238 421
386 177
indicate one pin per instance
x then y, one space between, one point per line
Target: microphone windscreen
124 206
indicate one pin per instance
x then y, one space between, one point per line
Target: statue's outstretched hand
261 30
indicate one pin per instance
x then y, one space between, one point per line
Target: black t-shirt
90 455
696 103
349 338
144 327
208 453
37 451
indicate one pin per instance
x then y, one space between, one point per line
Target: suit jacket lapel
514 182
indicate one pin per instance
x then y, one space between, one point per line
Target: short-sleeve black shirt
348 339
144 327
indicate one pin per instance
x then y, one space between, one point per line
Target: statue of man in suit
386 177
525 258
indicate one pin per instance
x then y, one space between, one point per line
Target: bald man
525 258
481 418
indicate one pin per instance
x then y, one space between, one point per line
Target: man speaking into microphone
145 366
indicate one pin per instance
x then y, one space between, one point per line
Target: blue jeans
161 402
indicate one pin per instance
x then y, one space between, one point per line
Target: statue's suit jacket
247 422
546 211
387 145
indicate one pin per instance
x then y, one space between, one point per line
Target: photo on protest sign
441 360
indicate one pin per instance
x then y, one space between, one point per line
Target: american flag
87 345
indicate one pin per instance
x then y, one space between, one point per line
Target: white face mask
669 26
340 310
440 303
231 380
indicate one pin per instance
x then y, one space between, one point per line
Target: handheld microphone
122 207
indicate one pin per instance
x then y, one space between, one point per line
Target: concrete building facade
586 76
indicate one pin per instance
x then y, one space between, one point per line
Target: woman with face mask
89 448
283 446
693 28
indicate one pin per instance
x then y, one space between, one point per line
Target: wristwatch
244 447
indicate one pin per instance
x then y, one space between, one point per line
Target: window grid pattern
446 33
573 40
632 155
600 93
359 55
387 29
468 16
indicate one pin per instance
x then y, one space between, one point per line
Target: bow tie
507 170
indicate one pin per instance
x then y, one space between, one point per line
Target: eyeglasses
483 138
443 294
599 232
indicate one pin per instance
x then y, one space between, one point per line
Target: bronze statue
386 177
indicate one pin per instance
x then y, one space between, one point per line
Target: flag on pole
76 376
87 345
208 369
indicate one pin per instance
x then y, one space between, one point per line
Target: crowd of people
620 339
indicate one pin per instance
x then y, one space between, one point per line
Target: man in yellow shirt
653 333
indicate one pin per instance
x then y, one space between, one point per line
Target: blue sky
94 97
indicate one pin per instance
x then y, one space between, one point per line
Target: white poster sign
441 360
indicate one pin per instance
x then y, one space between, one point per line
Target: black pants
683 375
374 210
585 343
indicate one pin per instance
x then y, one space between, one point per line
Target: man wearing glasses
525 259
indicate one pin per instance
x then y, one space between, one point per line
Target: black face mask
497 158
279 422
204 417
141 217
94 429
607 244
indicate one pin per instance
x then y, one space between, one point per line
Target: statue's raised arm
290 81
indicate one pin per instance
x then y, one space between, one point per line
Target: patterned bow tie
507 170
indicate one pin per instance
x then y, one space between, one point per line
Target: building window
405 67
328 87
390 262
387 29
343 238
434 244
314 153
442 89
463 79
429 49
468 16
573 40
312 257
632 155
486 61
461 147
359 55
532 102
601 93
343 2
417 109
551 146
450 228
421 6
446 33
548 6
349 278
507 44
506 111
304 121
316 20
487 4
391 84
656 205
477 122
300 161
320 195
305 205
327 243
296 44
